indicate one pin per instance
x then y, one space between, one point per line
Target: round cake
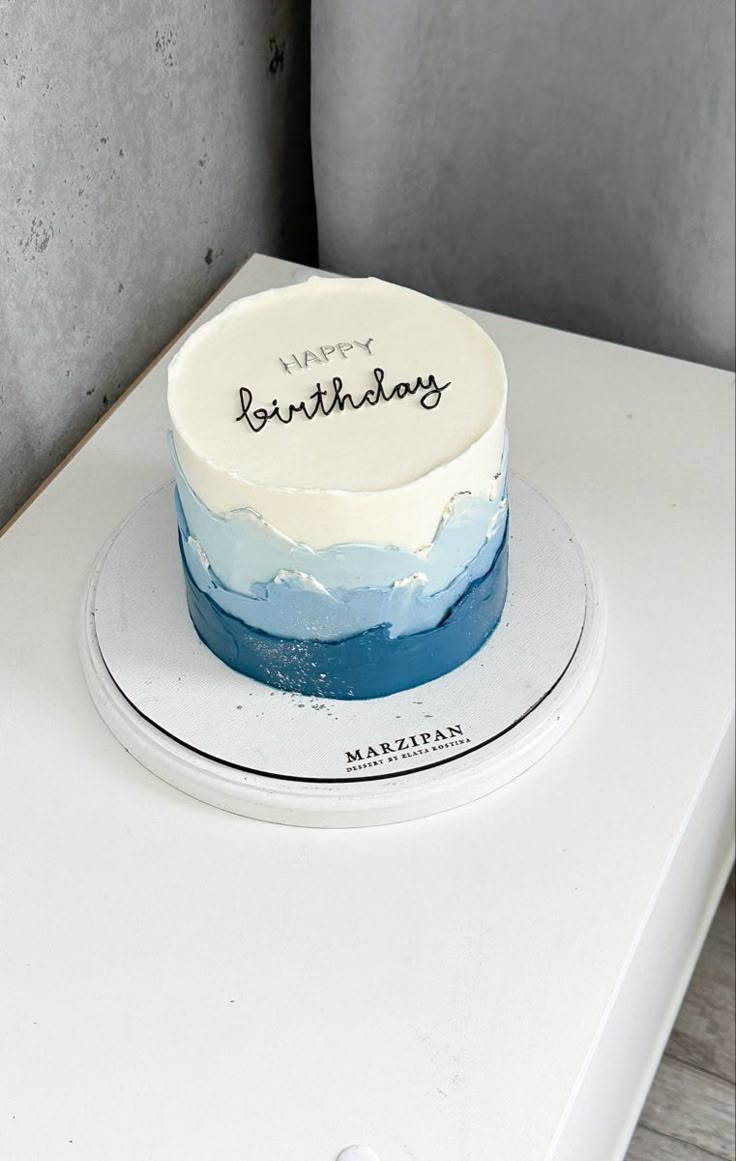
340 456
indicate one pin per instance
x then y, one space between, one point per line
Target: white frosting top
341 410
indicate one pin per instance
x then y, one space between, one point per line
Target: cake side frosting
243 550
286 588
371 664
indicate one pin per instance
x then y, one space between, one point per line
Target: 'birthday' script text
325 401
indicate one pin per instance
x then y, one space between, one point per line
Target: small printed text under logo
411 746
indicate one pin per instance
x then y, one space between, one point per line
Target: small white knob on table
357 1153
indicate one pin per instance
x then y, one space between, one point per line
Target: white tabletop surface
182 984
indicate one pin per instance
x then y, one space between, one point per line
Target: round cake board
283 757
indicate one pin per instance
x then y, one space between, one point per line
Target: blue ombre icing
295 605
243 551
306 622
368 665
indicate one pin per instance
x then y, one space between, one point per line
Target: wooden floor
690 1110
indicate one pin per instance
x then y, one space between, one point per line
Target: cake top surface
335 384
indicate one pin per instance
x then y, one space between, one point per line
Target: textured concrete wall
147 146
565 161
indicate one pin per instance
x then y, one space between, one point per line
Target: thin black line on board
364 778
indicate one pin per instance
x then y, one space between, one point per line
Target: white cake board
244 747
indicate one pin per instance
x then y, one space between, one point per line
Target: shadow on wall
150 154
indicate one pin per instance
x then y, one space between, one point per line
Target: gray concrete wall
147 146
564 161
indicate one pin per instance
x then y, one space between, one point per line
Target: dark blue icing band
370 664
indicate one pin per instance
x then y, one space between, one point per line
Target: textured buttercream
369 664
294 605
243 551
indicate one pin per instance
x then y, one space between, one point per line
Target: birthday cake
339 447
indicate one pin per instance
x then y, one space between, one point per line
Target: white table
492 984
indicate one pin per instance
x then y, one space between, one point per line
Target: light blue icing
243 552
293 607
